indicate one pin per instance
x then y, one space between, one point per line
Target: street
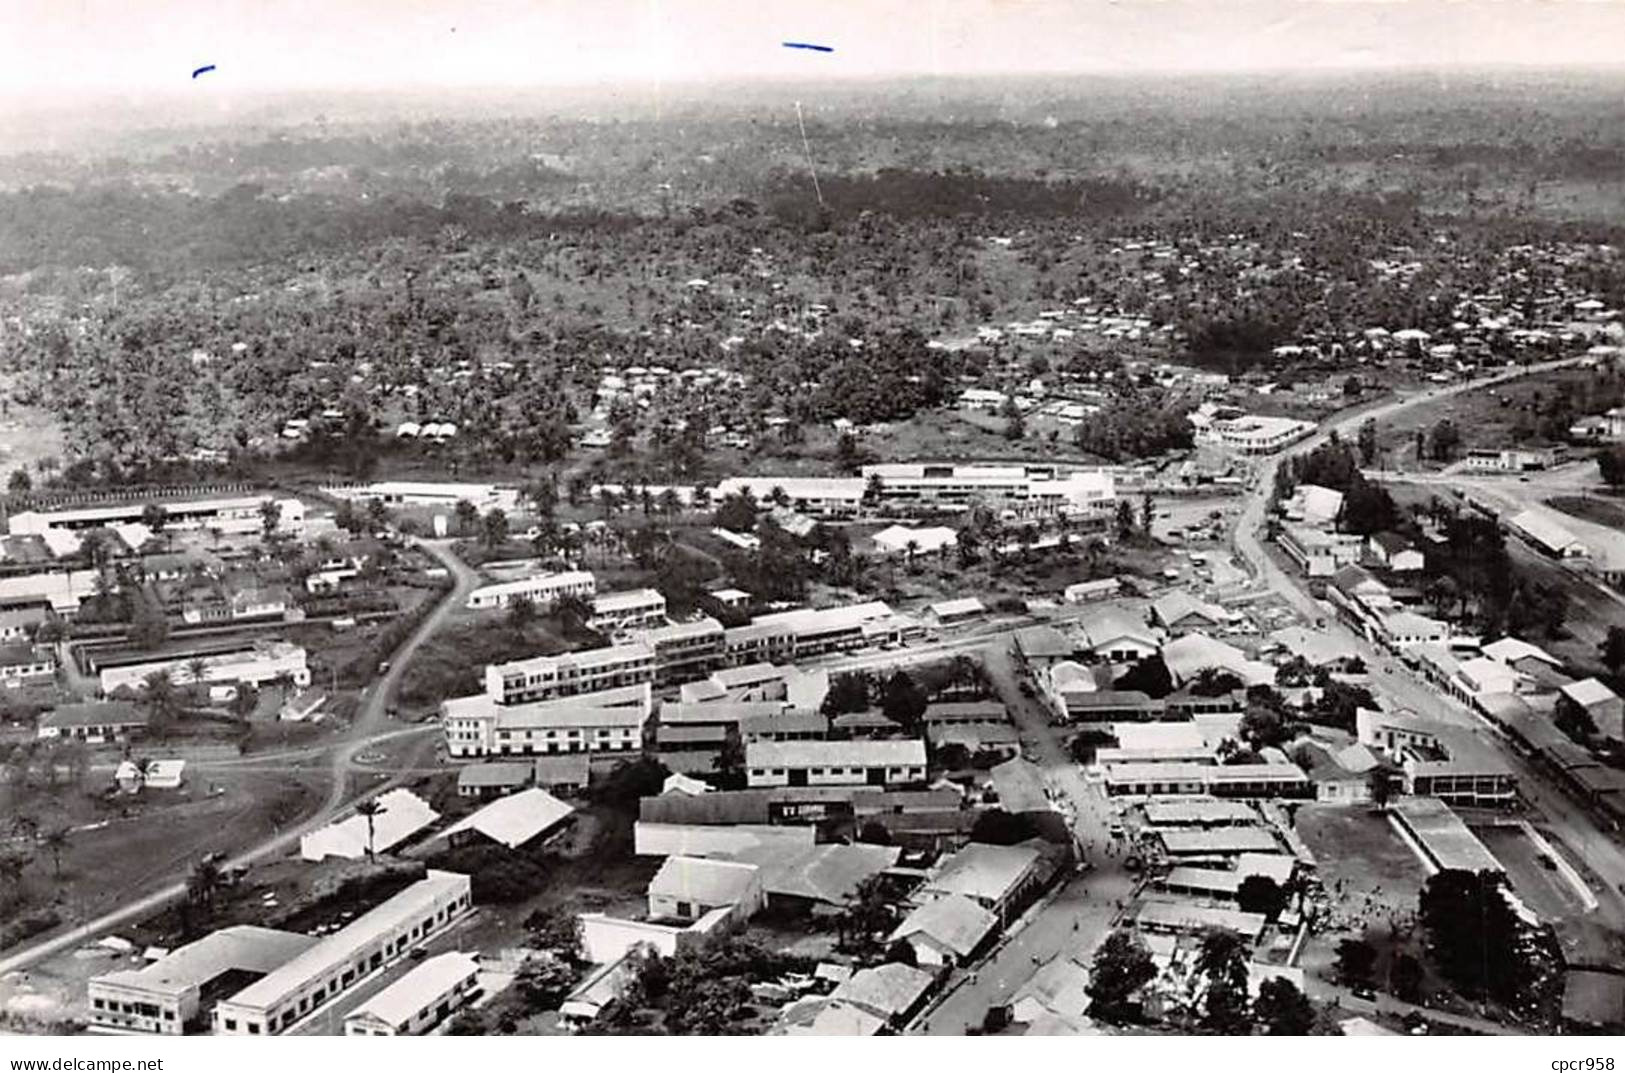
1077 917
362 734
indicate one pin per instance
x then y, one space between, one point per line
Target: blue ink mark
809 48
203 70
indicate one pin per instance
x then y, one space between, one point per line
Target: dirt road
370 726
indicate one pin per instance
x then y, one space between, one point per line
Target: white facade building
834 763
609 721
233 516
424 997
541 589
261 663
293 991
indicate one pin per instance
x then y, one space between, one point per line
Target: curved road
1566 819
362 733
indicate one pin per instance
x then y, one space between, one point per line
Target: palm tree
159 695
573 609
197 670
204 882
56 843
370 809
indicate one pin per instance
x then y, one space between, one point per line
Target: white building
1024 489
541 589
424 997
256 665
293 991
403 815
163 998
234 516
570 673
834 763
609 721
822 497
1251 434
442 494
628 610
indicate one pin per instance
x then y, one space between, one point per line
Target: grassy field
1597 509
1486 418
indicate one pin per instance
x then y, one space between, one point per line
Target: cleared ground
1362 862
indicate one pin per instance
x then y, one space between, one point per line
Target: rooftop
337 948
241 948
983 872
798 754
516 819
703 881
428 981
954 921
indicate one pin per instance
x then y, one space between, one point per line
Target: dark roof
691 735
791 721
565 769
1391 541
17 654
865 721
497 774
96 713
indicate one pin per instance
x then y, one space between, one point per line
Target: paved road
1080 915
360 737
1567 820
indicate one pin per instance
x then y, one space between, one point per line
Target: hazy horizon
78 49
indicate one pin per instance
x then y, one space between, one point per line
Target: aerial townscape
1058 556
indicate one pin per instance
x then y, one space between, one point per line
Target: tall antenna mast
807 148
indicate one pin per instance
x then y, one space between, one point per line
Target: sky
63 46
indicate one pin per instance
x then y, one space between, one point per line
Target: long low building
228 515
312 979
605 721
254 665
1168 916
792 635
834 763
1025 489
443 494
1217 780
1220 842
628 610
570 673
1443 838
171 995
424 997
540 589
821 497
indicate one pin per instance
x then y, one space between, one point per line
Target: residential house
1180 613
946 931
95 722
687 888
1605 707
21 664
493 779
1393 552
1113 635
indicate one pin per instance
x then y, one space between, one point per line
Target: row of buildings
255 981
